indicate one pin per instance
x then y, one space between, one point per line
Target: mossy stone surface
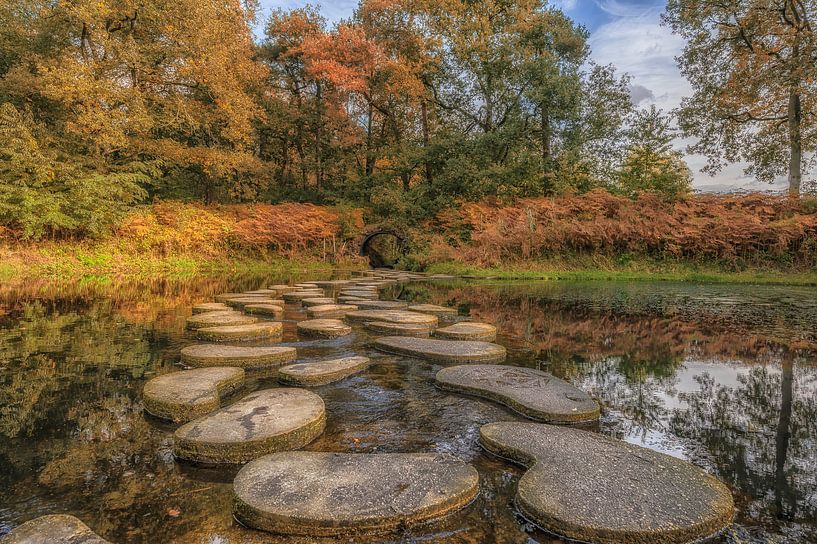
467 330
274 310
381 305
324 328
188 394
398 329
330 310
298 296
238 333
433 309
240 302
392 316
263 422
335 494
213 319
442 351
533 393
205 307
53 529
593 488
250 358
322 372
317 301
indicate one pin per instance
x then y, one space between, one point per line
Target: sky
627 34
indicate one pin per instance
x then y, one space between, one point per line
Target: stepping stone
533 393
240 302
264 292
212 319
592 488
224 296
392 316
322 372
297 296
334 494
324 328
205 355
442 351
317 301
53 529
188 394
381 305
205 307
467 331
351 300
398 329
264 309
283 288
330 310
263 422
333 283
237 333
360 294
433 309
306 285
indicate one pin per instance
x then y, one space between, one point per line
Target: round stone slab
240 302
392 316
224 296
188 394
381 305
264 309
262 422
317 301
212 319
433 309
443 351
533 393
398 329
332 494
322 372
593 488
53 529
265 292
205 355
308 285
210 307
361 293
324 328
283 288
330 310
237 333
297 296
467 331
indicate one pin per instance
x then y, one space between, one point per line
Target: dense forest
405 109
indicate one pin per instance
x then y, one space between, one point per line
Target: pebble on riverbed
239 333
533 393
593 488
324 328
442 351
322 372
333 494
188 394
53 529
207 355
263 422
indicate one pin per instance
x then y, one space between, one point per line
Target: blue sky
627 34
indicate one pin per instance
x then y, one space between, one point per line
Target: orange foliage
724 228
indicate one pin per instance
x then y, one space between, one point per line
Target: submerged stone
322 372
325 328
399 329
264 309
533 393
333 494
467 331
433 309
592 488
53 529
444 351
237 333
392 316
263 422
330 310
205 307
205 355
212 319
188 394
317 301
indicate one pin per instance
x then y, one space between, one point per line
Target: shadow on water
724 376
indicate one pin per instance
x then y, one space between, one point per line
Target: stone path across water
205 307
330 310
213 319
392 316
533 393
332 494
53 529
467 331
274 310
263 422
297 296
318 301
442 351
205 355
381 305
322 372
188 394
592 488
240 302
433 309
238 333
398 329
324 328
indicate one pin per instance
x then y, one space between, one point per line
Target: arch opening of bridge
383 247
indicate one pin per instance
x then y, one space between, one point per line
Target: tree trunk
546 145
424 118
369 165
781 487
795 146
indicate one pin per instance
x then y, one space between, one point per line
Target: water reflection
722 376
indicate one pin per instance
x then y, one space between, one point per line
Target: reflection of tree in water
761 437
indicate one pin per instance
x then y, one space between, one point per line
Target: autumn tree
753 68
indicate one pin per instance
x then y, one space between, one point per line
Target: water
724 376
